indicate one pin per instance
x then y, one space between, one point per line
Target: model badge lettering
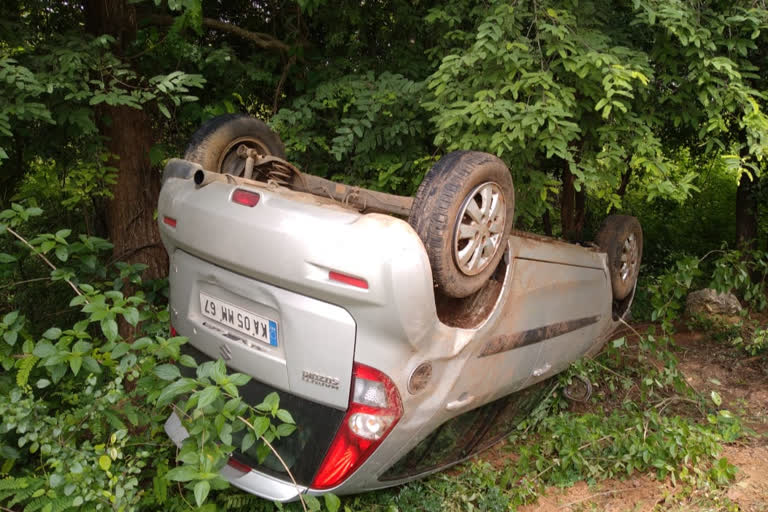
320 380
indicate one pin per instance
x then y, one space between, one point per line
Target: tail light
346 279
238 466
374 410
245 197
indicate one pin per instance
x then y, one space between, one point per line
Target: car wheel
621 238
463 212
214 145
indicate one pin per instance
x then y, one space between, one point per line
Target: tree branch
260 39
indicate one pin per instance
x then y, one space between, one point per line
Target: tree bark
622 190
746 212
129 214
572 207
260 39
546 220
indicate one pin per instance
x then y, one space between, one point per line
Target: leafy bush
84 403
362 129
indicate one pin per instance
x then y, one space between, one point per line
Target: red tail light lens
238 466
245 197
374 410
170 221
344 278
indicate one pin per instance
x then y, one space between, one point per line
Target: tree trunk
746 213
546 220
129 214
572 207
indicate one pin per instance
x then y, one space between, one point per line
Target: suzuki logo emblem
225 352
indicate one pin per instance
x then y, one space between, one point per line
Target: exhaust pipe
203 178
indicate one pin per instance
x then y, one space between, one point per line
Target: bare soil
708 365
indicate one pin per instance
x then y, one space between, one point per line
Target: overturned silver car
403 334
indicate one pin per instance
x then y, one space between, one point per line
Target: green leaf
312 502
182 474
74 363
91 365
62 252
43 383
248 439
716 398
285 416
239 379
270 404
285 429
167 114
105 462
10 337
53 333
156 154
207 396
120 350
44 349
109 328
174 389
201 491
131 316
6 258
10 318
56 480
188 361
167 372
332 502
260 425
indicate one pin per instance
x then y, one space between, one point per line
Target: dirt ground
742 382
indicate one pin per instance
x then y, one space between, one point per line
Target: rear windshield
469 433
302 451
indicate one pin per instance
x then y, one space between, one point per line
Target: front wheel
463 212
621 238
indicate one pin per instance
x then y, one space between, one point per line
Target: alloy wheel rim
480 228
628 259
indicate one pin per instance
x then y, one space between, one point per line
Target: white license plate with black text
239 319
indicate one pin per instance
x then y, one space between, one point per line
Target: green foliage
83 407
731 271
597 88
756 343
74 75
547 86
372 124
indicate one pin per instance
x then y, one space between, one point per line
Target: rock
708 302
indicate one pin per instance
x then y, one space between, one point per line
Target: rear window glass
469 433
303 451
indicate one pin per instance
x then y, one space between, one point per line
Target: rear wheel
214 145
463 212
621 238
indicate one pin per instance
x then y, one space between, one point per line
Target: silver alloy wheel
479 230
628 257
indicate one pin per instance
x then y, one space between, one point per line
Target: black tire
621 238
442 206
214 145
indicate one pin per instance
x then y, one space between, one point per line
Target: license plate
239 319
